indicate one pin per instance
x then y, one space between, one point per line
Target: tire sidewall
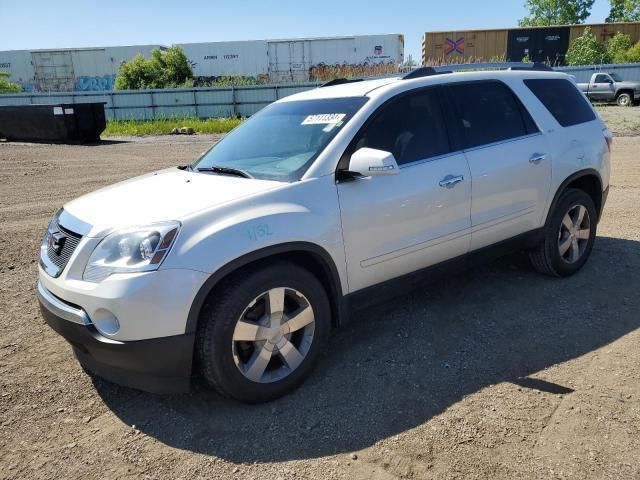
226 314
623 103
567 201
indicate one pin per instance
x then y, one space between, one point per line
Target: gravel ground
623 121
499 373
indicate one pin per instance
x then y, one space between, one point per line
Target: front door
602 88
393 225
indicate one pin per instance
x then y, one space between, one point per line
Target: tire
624 100
252 361
557 254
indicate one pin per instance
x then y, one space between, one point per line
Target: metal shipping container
71 69
464 45
604 31
541 43
548 45
290 60
295 60
68 123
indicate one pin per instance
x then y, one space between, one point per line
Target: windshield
616 77
282 140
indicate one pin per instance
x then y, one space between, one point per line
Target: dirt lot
499 373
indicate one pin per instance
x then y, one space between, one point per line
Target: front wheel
260 335
624 100
568 236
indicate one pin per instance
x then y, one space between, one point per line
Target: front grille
71 240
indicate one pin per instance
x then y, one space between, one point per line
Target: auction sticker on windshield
323 119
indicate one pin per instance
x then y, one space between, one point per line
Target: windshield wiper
226 171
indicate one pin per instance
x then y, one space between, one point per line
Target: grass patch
117 128
623 121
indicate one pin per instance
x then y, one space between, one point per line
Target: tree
6 86
587 50
617 47
556 12
624 11
633 54
165 69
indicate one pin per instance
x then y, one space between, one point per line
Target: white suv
242 262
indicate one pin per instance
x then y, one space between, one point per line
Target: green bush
228 81
587 50
6 86
633 54
165 69
617 47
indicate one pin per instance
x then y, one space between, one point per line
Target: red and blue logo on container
456 46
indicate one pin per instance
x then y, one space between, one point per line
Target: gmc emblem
56 242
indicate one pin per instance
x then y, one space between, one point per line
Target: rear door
508 157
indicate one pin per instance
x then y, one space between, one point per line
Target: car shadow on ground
400 363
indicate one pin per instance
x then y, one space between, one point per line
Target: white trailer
295 60
267 61
69 69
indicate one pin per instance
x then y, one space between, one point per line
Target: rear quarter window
563 100
489 112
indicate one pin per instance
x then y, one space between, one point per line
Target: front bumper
158 365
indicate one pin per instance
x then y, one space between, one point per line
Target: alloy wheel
574 234
273 335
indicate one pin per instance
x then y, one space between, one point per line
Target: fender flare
335 288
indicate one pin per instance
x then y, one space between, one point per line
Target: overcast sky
90 23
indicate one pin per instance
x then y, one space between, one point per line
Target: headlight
139 249
51 228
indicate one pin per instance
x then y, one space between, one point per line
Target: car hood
170 194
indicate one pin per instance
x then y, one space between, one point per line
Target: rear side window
410 126
563 100
489 112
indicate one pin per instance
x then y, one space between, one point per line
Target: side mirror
370 162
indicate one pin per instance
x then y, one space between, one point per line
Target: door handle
450 181
537 158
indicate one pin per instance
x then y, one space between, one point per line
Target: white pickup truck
610 87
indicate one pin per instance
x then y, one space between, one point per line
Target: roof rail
339 81
428 71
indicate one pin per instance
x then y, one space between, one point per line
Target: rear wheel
260 335
568 236
624 99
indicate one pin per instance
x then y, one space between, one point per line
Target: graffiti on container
93 84
454 46
322 72
29 87
5 65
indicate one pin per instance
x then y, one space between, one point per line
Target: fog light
105 321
